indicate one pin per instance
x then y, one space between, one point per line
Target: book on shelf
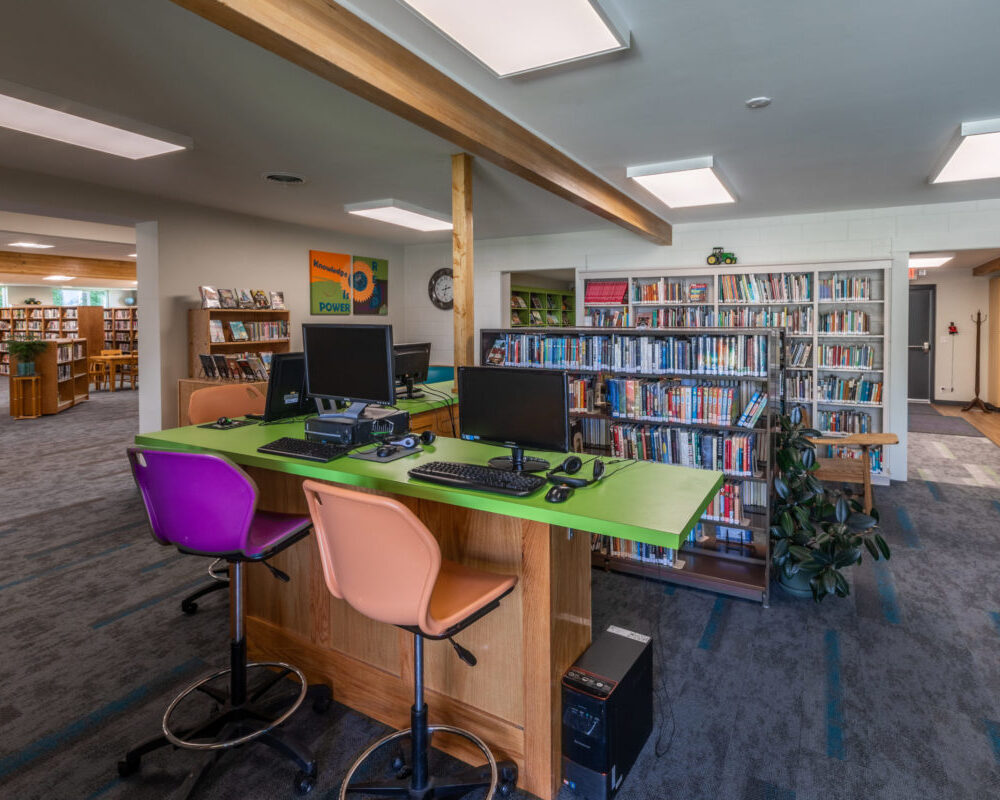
731 453
765 288
753 410
837 451
849 321
794 320
209 297
664 401
847 288
232 365
514 318
228 298
245 369
536 317
221 366
846 421
244 298
516 301
610 292
536 301
207 365
260 299
627 549
850 390
846 355
798 354
216 333
238 330
698 293
498 352
277 301
605 318
257 366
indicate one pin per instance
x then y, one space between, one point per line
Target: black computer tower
607 701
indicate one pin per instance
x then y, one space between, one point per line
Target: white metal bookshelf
863 288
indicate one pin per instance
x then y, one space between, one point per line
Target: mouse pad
402 452
237 423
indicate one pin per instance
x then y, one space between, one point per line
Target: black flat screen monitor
352 363
412 361
286 387
518 408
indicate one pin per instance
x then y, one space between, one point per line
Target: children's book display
258 299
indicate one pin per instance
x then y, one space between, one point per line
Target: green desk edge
653 503
436 395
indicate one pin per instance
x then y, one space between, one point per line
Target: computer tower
607 701
373 425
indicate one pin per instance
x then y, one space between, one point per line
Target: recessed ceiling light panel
58 278
923 262
510 37
977 155
682 184
396 212
31 245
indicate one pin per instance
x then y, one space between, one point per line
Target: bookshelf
267 332
835 317
54 322
678 396
62 370
549 307
121 329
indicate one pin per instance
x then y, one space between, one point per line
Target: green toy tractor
719 256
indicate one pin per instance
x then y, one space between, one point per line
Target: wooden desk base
511 698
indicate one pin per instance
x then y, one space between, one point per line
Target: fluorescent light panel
131 255
59 278
396 212
925 262
33 112
682 184
977 155
514 36
33 245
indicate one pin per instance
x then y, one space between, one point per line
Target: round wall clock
440 289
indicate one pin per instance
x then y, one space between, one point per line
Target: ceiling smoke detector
758 102
284 178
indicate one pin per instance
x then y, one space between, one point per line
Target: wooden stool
852 470
26 397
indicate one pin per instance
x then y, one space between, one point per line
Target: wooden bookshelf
547 307
726 552
53 322
62 370
121 329
200 340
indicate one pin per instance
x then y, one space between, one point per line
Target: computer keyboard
302 448
475 476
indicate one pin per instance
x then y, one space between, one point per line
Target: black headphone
571 466
411 440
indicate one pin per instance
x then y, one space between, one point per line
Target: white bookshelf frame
879 309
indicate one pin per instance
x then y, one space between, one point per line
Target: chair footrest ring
235 712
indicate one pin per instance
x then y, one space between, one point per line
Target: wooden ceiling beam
328 40
987 268
35 265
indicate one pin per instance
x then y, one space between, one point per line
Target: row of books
846 355
732 453
764 288
64 372
798 354
121 313
845 289
606 318
797 320
836 451
596 432
853 390
844 421
664 291
582 394
723 533
616 547
241 298
664 401
726 506
851 321
248 331
611 292
236 366
65 352
798 386
702 317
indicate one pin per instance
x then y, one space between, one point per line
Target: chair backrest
111 352
199 502
376 554
229 400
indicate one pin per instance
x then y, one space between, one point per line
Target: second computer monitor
412 361
286 387
524 409
352 363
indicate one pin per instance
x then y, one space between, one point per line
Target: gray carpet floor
892 694
924 418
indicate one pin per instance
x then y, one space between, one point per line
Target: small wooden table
113 364
25 396
852 470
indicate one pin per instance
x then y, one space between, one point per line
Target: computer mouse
223 422
560 493
385 451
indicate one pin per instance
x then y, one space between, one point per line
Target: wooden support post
463 311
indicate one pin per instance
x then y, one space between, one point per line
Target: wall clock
441 290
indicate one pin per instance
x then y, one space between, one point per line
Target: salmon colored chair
229 400
382 560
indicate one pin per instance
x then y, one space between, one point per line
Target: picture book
259 370
245 298
266 356
227 298
278 301
221 367
233 367
207 365
260 299
497 353
238 330
209 297
215 330
246 369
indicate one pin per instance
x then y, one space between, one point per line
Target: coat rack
976 402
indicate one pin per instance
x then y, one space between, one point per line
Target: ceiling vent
284 178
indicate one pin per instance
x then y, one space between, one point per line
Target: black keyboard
302 448
475 476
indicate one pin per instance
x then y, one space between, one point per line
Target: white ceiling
867 93
66 246
961 260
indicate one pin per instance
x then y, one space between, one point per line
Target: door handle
925 347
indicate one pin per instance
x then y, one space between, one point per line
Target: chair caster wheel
507 774
188 607
323 701
400 769
304 783
128 766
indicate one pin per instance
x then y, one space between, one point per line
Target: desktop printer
374 423
607 705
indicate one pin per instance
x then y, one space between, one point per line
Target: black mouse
223 422
559 493
385 451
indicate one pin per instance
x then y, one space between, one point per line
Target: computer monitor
412 361
518 408
348 363
286 387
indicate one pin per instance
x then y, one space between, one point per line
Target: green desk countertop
436 395
647 502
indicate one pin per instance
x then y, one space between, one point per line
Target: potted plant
817 532
26 351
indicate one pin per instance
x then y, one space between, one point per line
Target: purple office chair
205 505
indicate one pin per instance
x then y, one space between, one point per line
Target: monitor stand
350 415
518 462
410 393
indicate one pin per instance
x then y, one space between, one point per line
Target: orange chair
229 400
384 562
111 352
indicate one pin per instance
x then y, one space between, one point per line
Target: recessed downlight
131 255
58 278
31 245
758 102
284 178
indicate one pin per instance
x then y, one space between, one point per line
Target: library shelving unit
54 322
267 329
121 329
552 308
62 369
674 395
835 317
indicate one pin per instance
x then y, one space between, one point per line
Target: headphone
411 440
571 466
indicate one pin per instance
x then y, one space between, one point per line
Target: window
80 297
3 295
